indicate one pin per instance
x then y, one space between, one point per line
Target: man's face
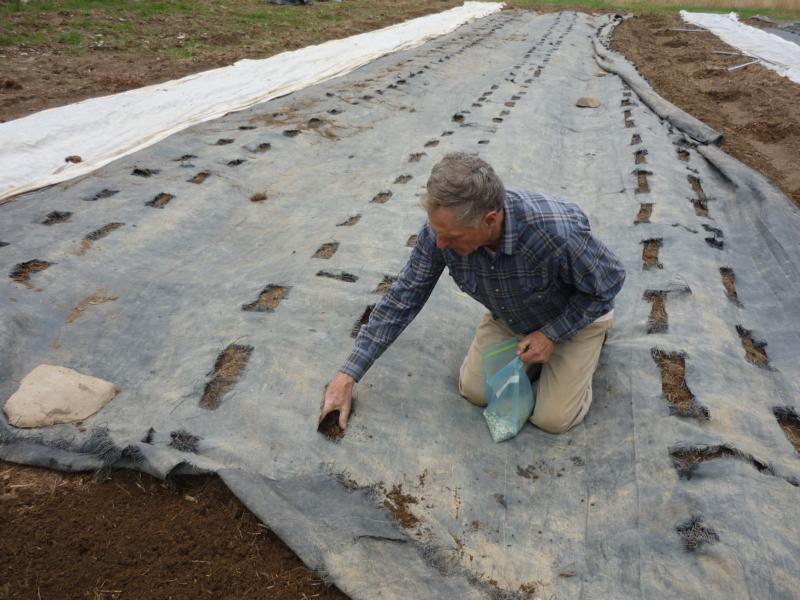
452 234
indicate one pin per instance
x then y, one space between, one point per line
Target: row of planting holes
232 360
682 402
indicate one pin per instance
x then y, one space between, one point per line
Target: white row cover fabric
773 51
33 149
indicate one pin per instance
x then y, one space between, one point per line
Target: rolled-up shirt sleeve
596 275
399 306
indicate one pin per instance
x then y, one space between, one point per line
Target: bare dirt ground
49 58
754 108
69 536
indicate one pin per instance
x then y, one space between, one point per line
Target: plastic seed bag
509 395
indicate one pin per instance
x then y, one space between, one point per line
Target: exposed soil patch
362 320
716 240
142 172
160 200
261 148
341 276
397 503
102 194
754 108
650 253
697 187
657 321
629 123
384 285
106 229
56 216
382 197
642 186
258 197
643 216
72 536
676 392
183 441
754 351
695 534
700 206
403 179
268 300
22 272
790 424
97 298
329 426
729 283
326 250
687 459
350 221
200 177
227 370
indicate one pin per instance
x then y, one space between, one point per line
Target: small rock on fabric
587 102
50 394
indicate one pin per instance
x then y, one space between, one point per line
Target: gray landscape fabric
242 254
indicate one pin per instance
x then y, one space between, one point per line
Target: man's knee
559 415
471 387
552 424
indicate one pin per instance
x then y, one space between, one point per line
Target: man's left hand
535 348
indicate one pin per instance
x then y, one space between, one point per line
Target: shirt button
496 290
492 268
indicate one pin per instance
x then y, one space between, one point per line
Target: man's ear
490 218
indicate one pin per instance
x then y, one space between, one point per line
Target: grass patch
73 38
22 38
179 53
150 9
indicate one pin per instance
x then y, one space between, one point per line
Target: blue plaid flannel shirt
550 274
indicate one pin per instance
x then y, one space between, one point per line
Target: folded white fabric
33 149
775 53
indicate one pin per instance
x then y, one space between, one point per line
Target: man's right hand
339 396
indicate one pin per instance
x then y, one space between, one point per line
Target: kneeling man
532 261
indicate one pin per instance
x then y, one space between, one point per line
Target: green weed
73 38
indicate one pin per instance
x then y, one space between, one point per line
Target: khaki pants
564 389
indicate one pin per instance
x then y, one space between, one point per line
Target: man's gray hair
465 184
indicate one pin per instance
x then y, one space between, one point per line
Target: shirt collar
509 239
